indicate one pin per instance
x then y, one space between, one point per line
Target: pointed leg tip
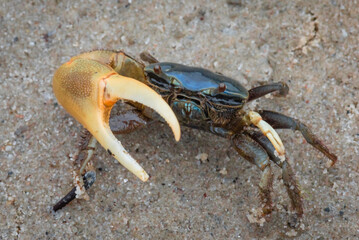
331 162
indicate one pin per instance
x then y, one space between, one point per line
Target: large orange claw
88 89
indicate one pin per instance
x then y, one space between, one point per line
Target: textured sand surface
311 45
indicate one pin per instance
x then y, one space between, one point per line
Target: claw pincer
88 89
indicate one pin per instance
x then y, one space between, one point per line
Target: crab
89 85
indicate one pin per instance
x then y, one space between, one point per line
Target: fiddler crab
89 85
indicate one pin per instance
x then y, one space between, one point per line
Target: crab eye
214 91
222 87
157 69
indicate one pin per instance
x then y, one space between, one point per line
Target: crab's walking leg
88 89
260 91
266 188
277 120
89 178
86 151
250 150
287 172
292 188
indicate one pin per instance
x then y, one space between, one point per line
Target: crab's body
212 102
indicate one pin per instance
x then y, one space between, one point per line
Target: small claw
269 132
88 90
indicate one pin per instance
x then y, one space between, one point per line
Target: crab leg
280 121
89 178
250 149
260 91
88 90
287 173
269 132
88 149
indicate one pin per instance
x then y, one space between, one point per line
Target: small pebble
223 171
202 156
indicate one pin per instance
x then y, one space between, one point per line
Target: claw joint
269 132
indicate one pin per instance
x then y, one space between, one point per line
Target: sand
199 188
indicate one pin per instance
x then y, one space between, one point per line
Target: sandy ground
311 45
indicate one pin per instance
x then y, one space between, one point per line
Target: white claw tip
280 156
143 176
